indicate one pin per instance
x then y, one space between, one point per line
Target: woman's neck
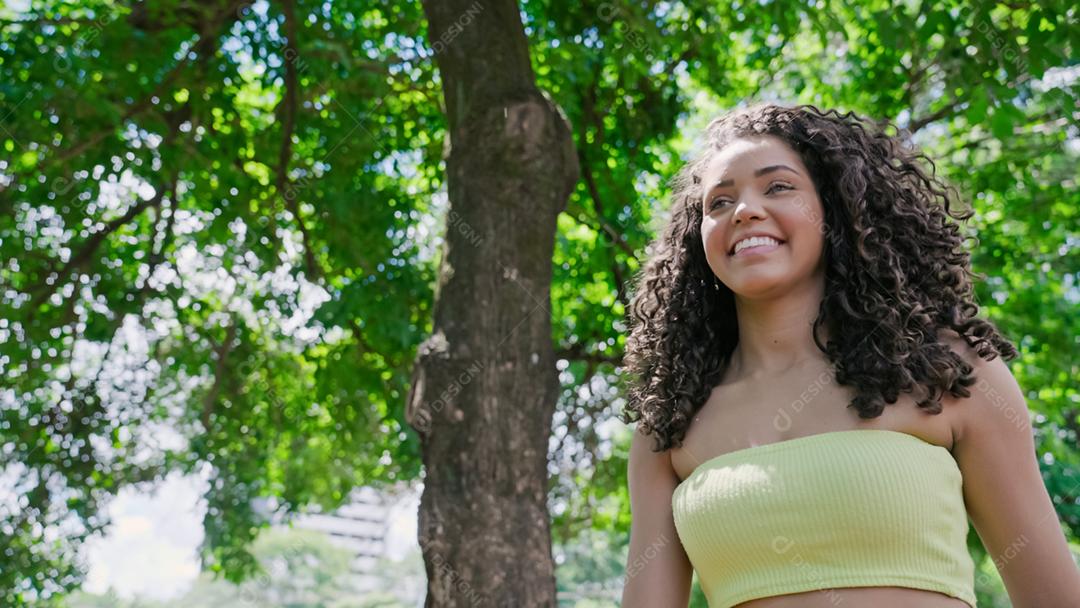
775 335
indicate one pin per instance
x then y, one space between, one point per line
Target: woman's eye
714 203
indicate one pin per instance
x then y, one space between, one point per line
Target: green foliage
198 302
209 228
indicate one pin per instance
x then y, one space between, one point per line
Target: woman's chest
806 402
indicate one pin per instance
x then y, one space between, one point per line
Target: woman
803 341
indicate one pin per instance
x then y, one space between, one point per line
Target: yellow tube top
852 508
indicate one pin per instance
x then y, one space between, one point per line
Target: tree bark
484 385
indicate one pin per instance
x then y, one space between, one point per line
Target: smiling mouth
756 248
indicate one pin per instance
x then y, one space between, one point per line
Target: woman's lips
757 250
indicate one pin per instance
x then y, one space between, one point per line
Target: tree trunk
484 384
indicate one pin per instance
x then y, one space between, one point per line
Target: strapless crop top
852 508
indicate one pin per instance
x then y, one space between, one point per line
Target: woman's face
759 185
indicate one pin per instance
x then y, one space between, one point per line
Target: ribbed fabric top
852 508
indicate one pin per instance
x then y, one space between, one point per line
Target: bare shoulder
993 381
1004 491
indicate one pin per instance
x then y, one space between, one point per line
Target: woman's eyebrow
757 173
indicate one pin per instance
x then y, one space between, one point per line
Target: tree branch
287 114
607 229
921 122
589 100
86 251
222 352
158 248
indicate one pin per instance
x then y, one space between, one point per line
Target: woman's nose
748 207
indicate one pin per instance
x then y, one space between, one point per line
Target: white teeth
755 241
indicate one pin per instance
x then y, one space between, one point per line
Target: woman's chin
764 285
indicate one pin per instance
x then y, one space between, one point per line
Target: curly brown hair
896 278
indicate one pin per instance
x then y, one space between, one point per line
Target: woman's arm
1005 494
658 573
